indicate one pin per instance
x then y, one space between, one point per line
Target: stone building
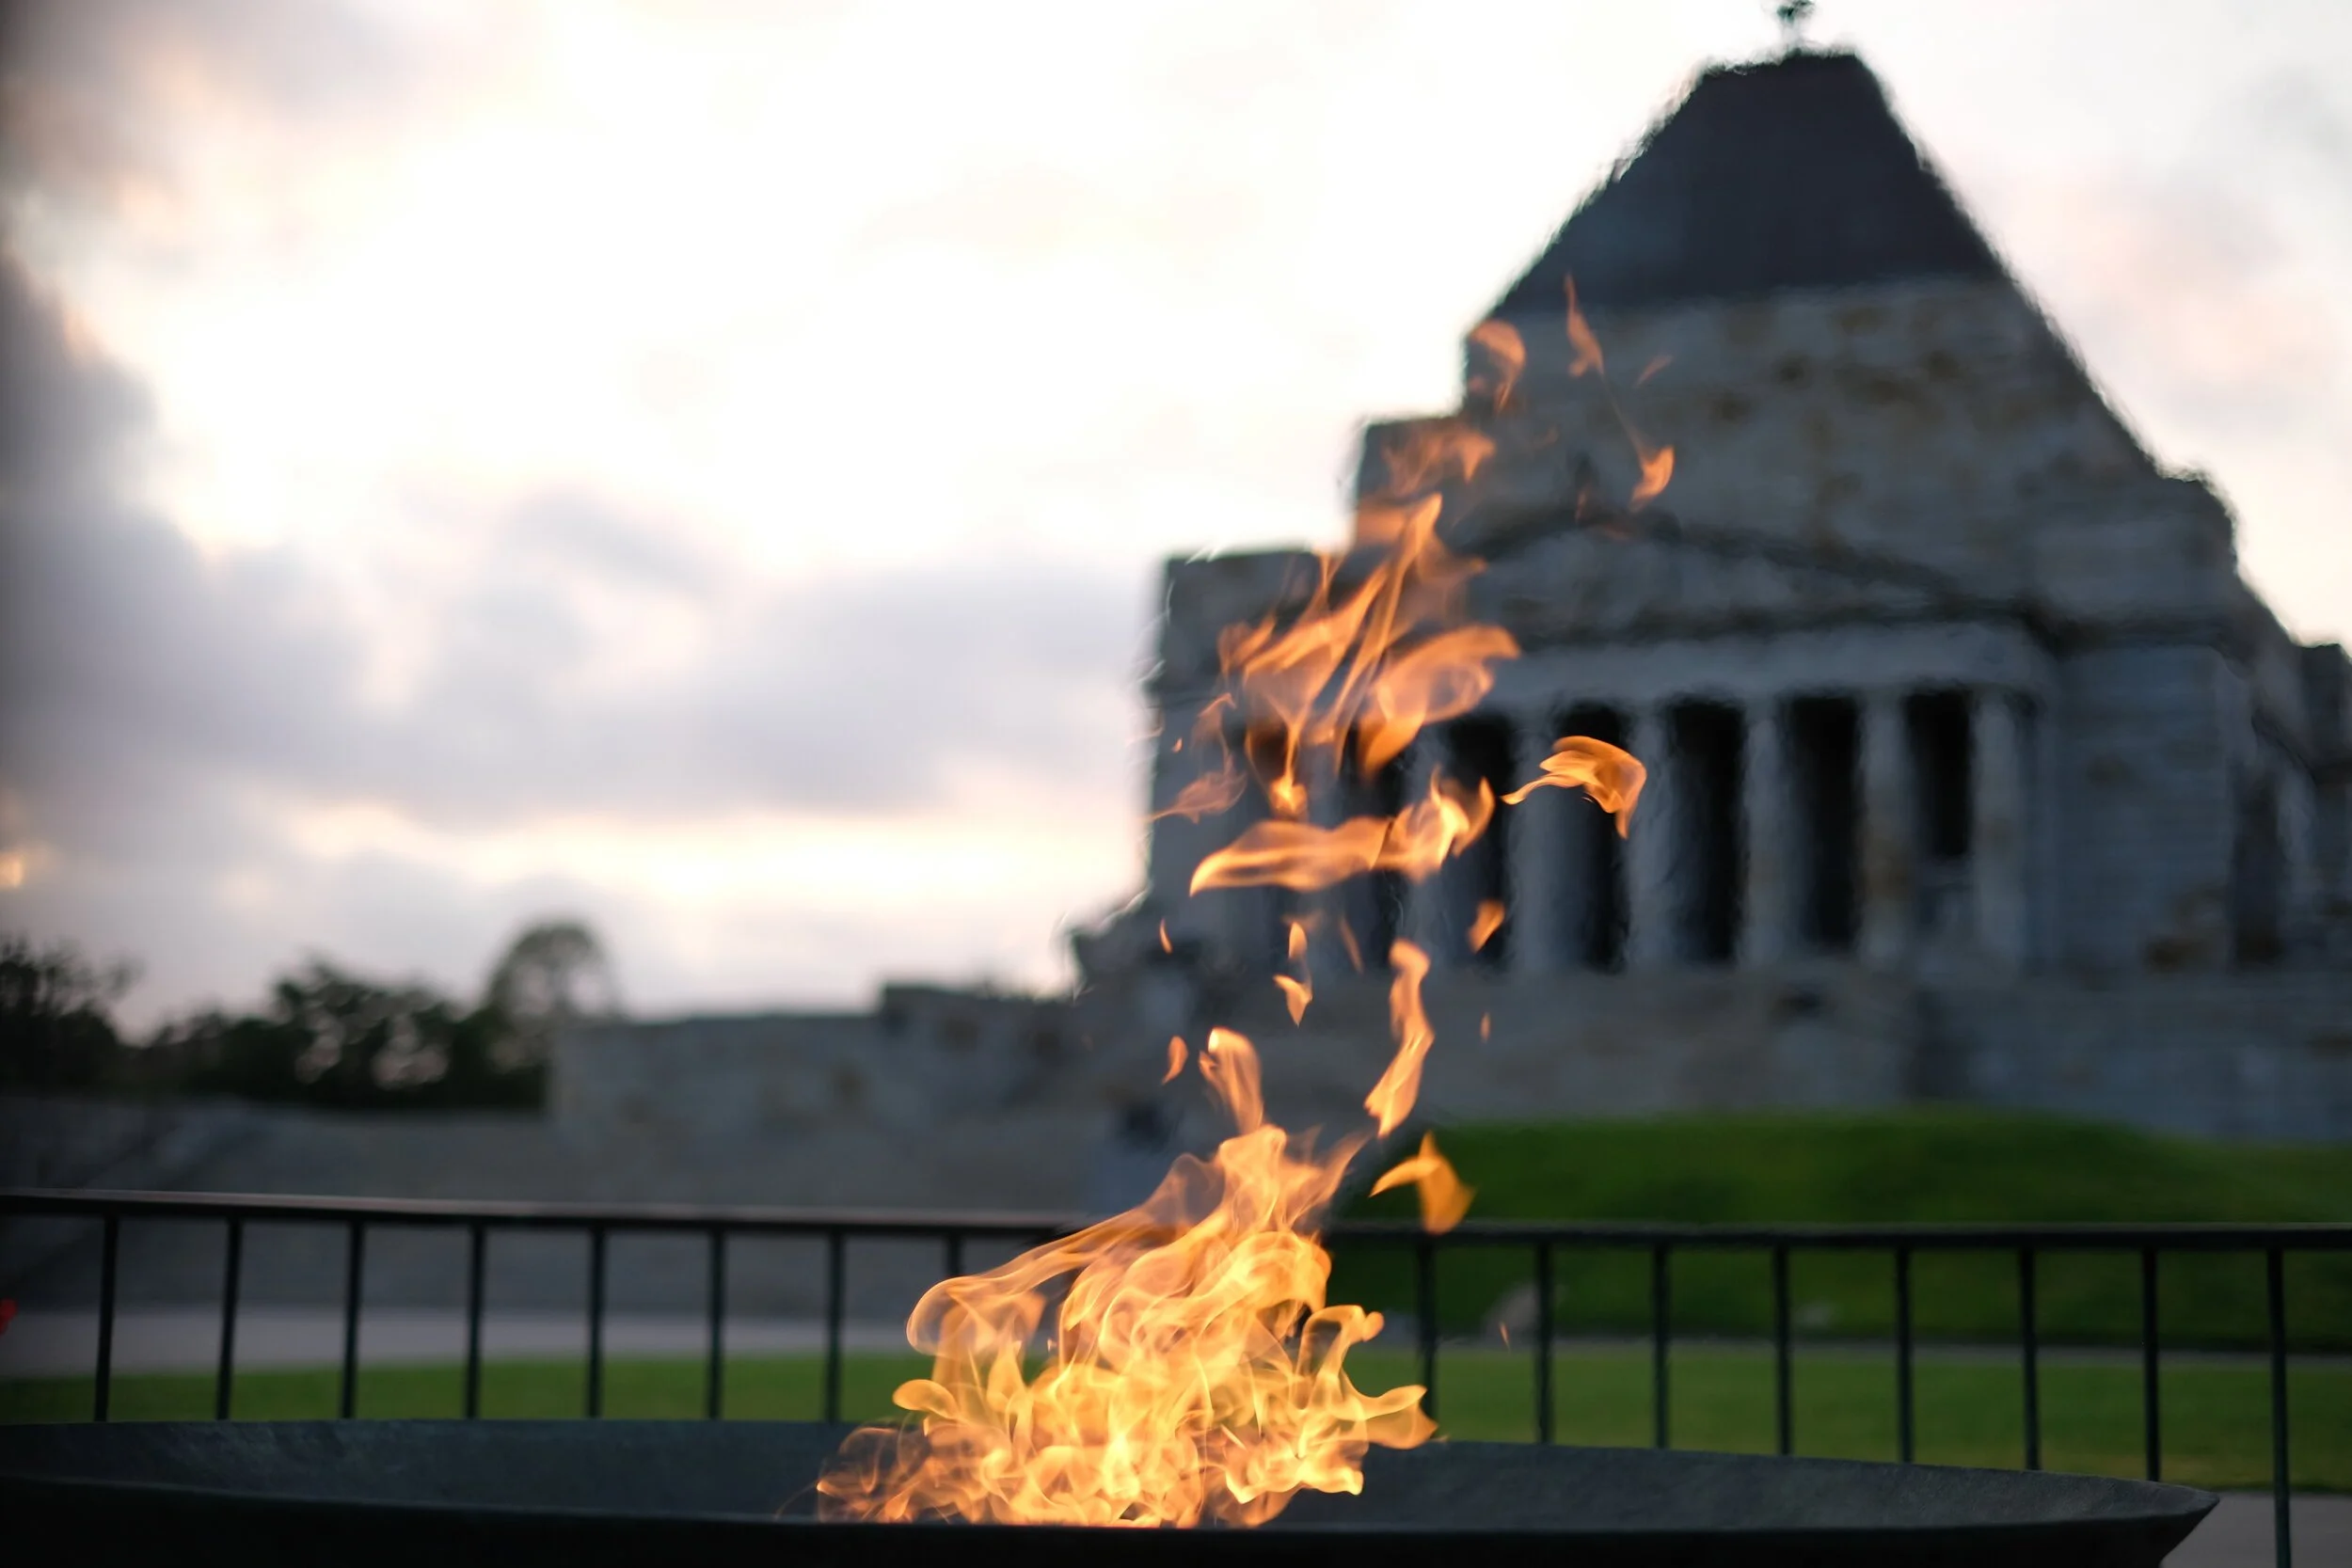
1958 716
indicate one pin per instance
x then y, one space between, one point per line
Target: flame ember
1178 1364
1609 774
1391 1099
1486 923
1657 462
1443 1197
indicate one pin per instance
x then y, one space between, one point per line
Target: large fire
1193 1370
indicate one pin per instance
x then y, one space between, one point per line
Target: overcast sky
704 466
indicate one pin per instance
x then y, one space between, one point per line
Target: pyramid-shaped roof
1787 175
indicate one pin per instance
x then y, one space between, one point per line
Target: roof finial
1793 15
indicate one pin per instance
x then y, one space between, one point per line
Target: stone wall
1840 418
923 1056
2255 1057
2146 808
1534 1048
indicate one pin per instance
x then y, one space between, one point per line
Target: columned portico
1766 830
1423 918
1650 849
1997 836
1889 830
1329 910
1541 871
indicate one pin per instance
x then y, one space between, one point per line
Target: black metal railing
1544 1243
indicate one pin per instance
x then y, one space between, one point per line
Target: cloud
560 663
93 93
2181 288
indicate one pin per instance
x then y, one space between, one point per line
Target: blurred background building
1977 771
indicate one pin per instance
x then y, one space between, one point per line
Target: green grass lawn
1928 1166
2217 1415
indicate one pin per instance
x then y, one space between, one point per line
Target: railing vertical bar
715 1369
2030 1345
110 1247
477 1258
233 1268
355 1262
1905 1428
2275 1283
1425 1319
1661 1311
1543 1283
2151 1420
596 1251
1783 1412
954 1243
834 1267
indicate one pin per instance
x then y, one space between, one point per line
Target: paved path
2238 1534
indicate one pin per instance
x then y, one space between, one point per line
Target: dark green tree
57 1031
552 974
328 1037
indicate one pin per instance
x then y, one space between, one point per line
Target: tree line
325 1035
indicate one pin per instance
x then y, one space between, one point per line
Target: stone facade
1940 678
1977 771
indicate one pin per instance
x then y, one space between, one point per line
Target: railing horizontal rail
910 1223
1546 1240
2312 1236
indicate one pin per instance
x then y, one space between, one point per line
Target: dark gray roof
1791 174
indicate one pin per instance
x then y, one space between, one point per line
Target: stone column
1324 773
1997 832
2298 812
1890 832
1766 830
1652 940
1536 882
2045 838
1423 919
1247 913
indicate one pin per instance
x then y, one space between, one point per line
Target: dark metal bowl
709 1494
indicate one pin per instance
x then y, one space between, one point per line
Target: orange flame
1179 1363
1485 923
1657 462
1391 1099
1296 995
1194 1372
1657 469
1581 338
1505 354
1610 775
1304 857
1443 1197
1214 789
